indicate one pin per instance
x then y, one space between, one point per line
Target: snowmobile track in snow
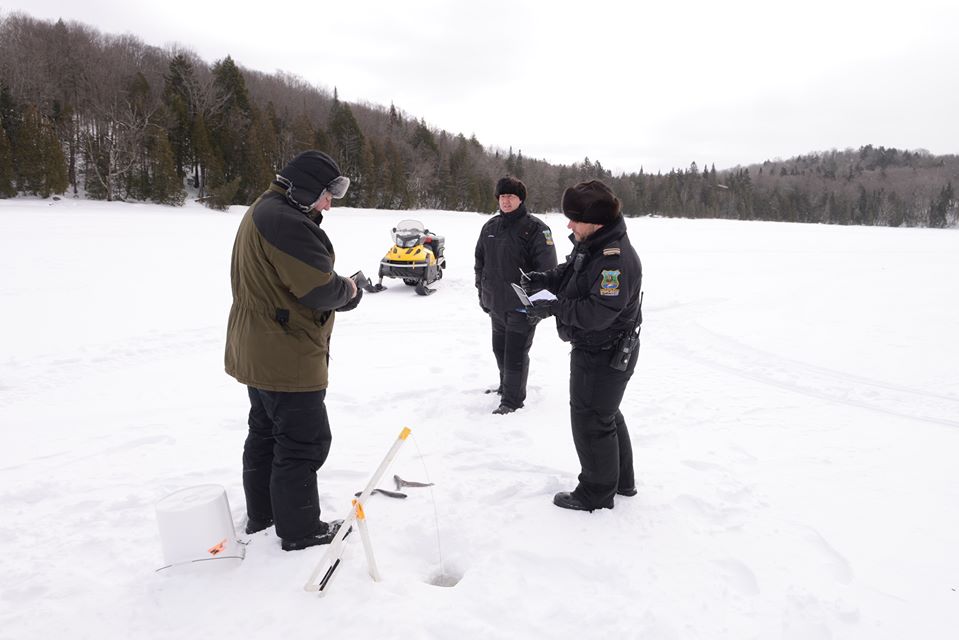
729 355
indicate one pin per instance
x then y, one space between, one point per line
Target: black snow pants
288 441
512 339
599 429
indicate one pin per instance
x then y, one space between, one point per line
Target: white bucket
196 525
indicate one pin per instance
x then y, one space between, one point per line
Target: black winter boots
325 537
566 500
255 526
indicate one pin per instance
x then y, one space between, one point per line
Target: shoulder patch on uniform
611 251
609 285
549 237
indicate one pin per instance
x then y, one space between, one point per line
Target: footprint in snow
739 576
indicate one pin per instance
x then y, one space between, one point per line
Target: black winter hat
591 201
511 185
310 172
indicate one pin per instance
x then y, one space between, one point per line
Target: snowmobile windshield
408 233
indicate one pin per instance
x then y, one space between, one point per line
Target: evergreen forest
108 117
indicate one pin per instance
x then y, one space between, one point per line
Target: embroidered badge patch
609 285
549 237
611 251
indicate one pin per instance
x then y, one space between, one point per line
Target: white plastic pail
196 525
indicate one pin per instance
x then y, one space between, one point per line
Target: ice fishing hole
445 578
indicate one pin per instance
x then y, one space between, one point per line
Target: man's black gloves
540 309
533 281
354 303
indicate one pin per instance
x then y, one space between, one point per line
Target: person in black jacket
598 310
509 242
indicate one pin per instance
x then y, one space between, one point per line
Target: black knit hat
310 172
511 185
591 201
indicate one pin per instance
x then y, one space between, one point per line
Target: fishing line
436 516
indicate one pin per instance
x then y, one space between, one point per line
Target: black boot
325 537
628 492
254 525
503 409
566 500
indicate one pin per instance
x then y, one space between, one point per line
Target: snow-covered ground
794 414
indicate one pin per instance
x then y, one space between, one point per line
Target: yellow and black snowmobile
416 257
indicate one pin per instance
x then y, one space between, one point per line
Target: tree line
109 117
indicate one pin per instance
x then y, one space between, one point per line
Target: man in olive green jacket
285 298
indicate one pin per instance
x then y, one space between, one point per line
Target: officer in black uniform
510 241
598 310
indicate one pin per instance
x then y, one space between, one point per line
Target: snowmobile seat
436 243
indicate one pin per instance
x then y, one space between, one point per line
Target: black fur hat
310 172
591 201
511 185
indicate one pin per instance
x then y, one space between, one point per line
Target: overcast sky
632 84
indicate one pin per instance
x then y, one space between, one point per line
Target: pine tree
586 170
166 185
396 120
372 179
258 166
223 195
56 179
398 194
347 143
301 135
10 115
41 166
208 173
7 190
228 79
178 91
67 130
228 129
940 206
321 140
423 139
510 163
26 152
456 191
519 167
